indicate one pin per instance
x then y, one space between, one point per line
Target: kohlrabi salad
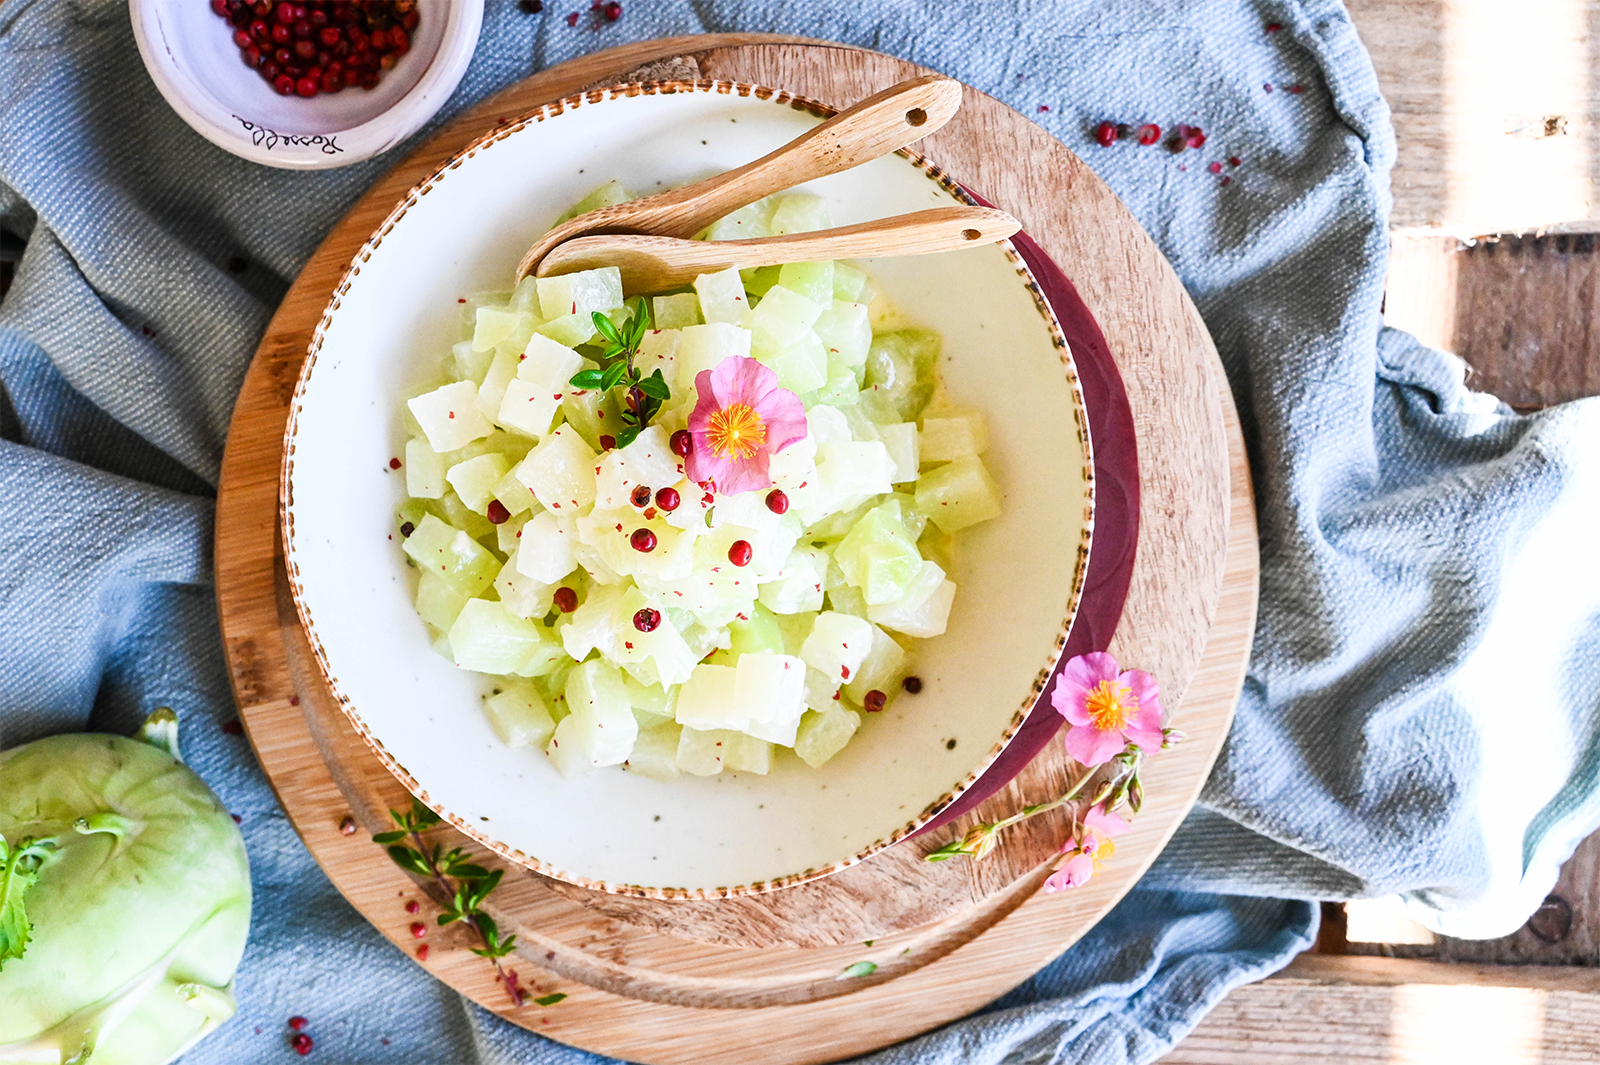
684 532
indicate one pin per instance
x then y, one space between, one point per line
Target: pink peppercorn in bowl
202 73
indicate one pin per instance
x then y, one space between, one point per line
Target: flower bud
1171 737
1136 794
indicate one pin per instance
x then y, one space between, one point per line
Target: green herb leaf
19 868
400 819
550 1000
607 327
390 837
449 916
486 925
627 436
467 871
862 968
613 375
423 817
410 860
586 379
655 386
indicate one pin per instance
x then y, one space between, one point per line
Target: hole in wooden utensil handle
916 116
970 234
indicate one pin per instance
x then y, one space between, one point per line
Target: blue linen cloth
1430 610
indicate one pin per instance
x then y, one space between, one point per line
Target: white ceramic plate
395 315
189 51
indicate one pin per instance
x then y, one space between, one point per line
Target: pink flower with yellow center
741 419
1090 848
1105 709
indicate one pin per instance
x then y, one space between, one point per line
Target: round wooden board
947 938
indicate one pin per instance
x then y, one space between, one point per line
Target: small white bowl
194 62
393 317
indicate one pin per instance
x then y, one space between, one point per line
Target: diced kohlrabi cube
450 416
608 195
582 293
656 657
492 392
525 297
608 534
795 629
529 408
882 670
954 436
647 461
747 223
545 362
824 733
546 551
655 752
592 415
901 441
438 602
600 729
520 717
658 350
924 609
813 280
842 389
570 329
900 365
521 594
789 306
797 587
452 556
755 631
701 751
771 536
594 625
827 424
470 365
878 556
652 704
847 599
838 644
800 212
958 494
709 700
469 308
424 470
801 362
496 325
855 467
474 479
747 754
850 284
822 690
846 332
722 297
459 515
508 534
676 311
488 638
772 687
560 471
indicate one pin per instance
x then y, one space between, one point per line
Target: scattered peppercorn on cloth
1422 712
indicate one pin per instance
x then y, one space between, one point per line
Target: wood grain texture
1340 1011
950 937
1494 109
1521 311
882 123
654 264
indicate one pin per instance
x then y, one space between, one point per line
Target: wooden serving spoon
655 264
878 125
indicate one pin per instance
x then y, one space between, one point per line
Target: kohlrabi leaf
19 868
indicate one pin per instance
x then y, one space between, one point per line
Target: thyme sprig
1122 787
466 884
644 395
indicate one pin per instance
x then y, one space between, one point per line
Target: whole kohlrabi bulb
138 907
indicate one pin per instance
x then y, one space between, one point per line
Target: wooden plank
1342 1011
1494 110
1519 310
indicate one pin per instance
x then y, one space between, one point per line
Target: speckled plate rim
503 130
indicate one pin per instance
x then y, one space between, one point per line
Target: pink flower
741 419
1107 710
1089 849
